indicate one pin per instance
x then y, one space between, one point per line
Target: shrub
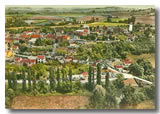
10 93
42 87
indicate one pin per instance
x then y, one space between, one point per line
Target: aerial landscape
79 57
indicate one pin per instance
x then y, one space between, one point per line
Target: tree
97 100
63 75
24 82
147 66
93 77
90 78
51 79
9 80
58 78
29 79
42 86
98 74
136 69
111 94
39 70
119 81
107 80
70 75
130 96
14 81
34 81
39 42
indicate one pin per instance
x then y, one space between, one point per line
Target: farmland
49 102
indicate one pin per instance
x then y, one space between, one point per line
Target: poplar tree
29 79
70 75
58 77
98 74
90 78
24 81
107 80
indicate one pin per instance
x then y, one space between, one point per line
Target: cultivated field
49 102
145 19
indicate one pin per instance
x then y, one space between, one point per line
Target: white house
41 59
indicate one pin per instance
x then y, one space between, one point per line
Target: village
71 47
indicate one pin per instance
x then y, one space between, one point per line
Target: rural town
80 58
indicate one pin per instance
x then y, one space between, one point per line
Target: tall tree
107 80
24 82
70 75
51 79
98 74
29 79
34 81
90 78
58 77
63 77
93 78
9 80
14 81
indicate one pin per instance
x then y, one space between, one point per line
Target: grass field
143 105
106 24
150 57
118 19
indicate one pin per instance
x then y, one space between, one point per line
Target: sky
82 6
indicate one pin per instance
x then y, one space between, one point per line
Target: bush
65 87
10 93
42 87
7 102
76 86
97 100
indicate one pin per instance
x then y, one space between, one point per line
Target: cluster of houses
29 61
12 40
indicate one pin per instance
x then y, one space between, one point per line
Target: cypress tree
107 80
9 80
51 79
14 81
98 74
34 81
29 80
70 75
24 82
93 78
90 78
63 79
58 77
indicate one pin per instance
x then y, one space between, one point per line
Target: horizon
82 6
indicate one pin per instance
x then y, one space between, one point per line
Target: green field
149 57
106 24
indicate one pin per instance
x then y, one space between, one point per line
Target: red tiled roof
85 73
118 66
40 57
127 62
35 36
17 58
28 61
85 30
23 36
50 36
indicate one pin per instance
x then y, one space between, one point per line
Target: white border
60 2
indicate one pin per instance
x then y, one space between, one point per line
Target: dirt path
49 102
